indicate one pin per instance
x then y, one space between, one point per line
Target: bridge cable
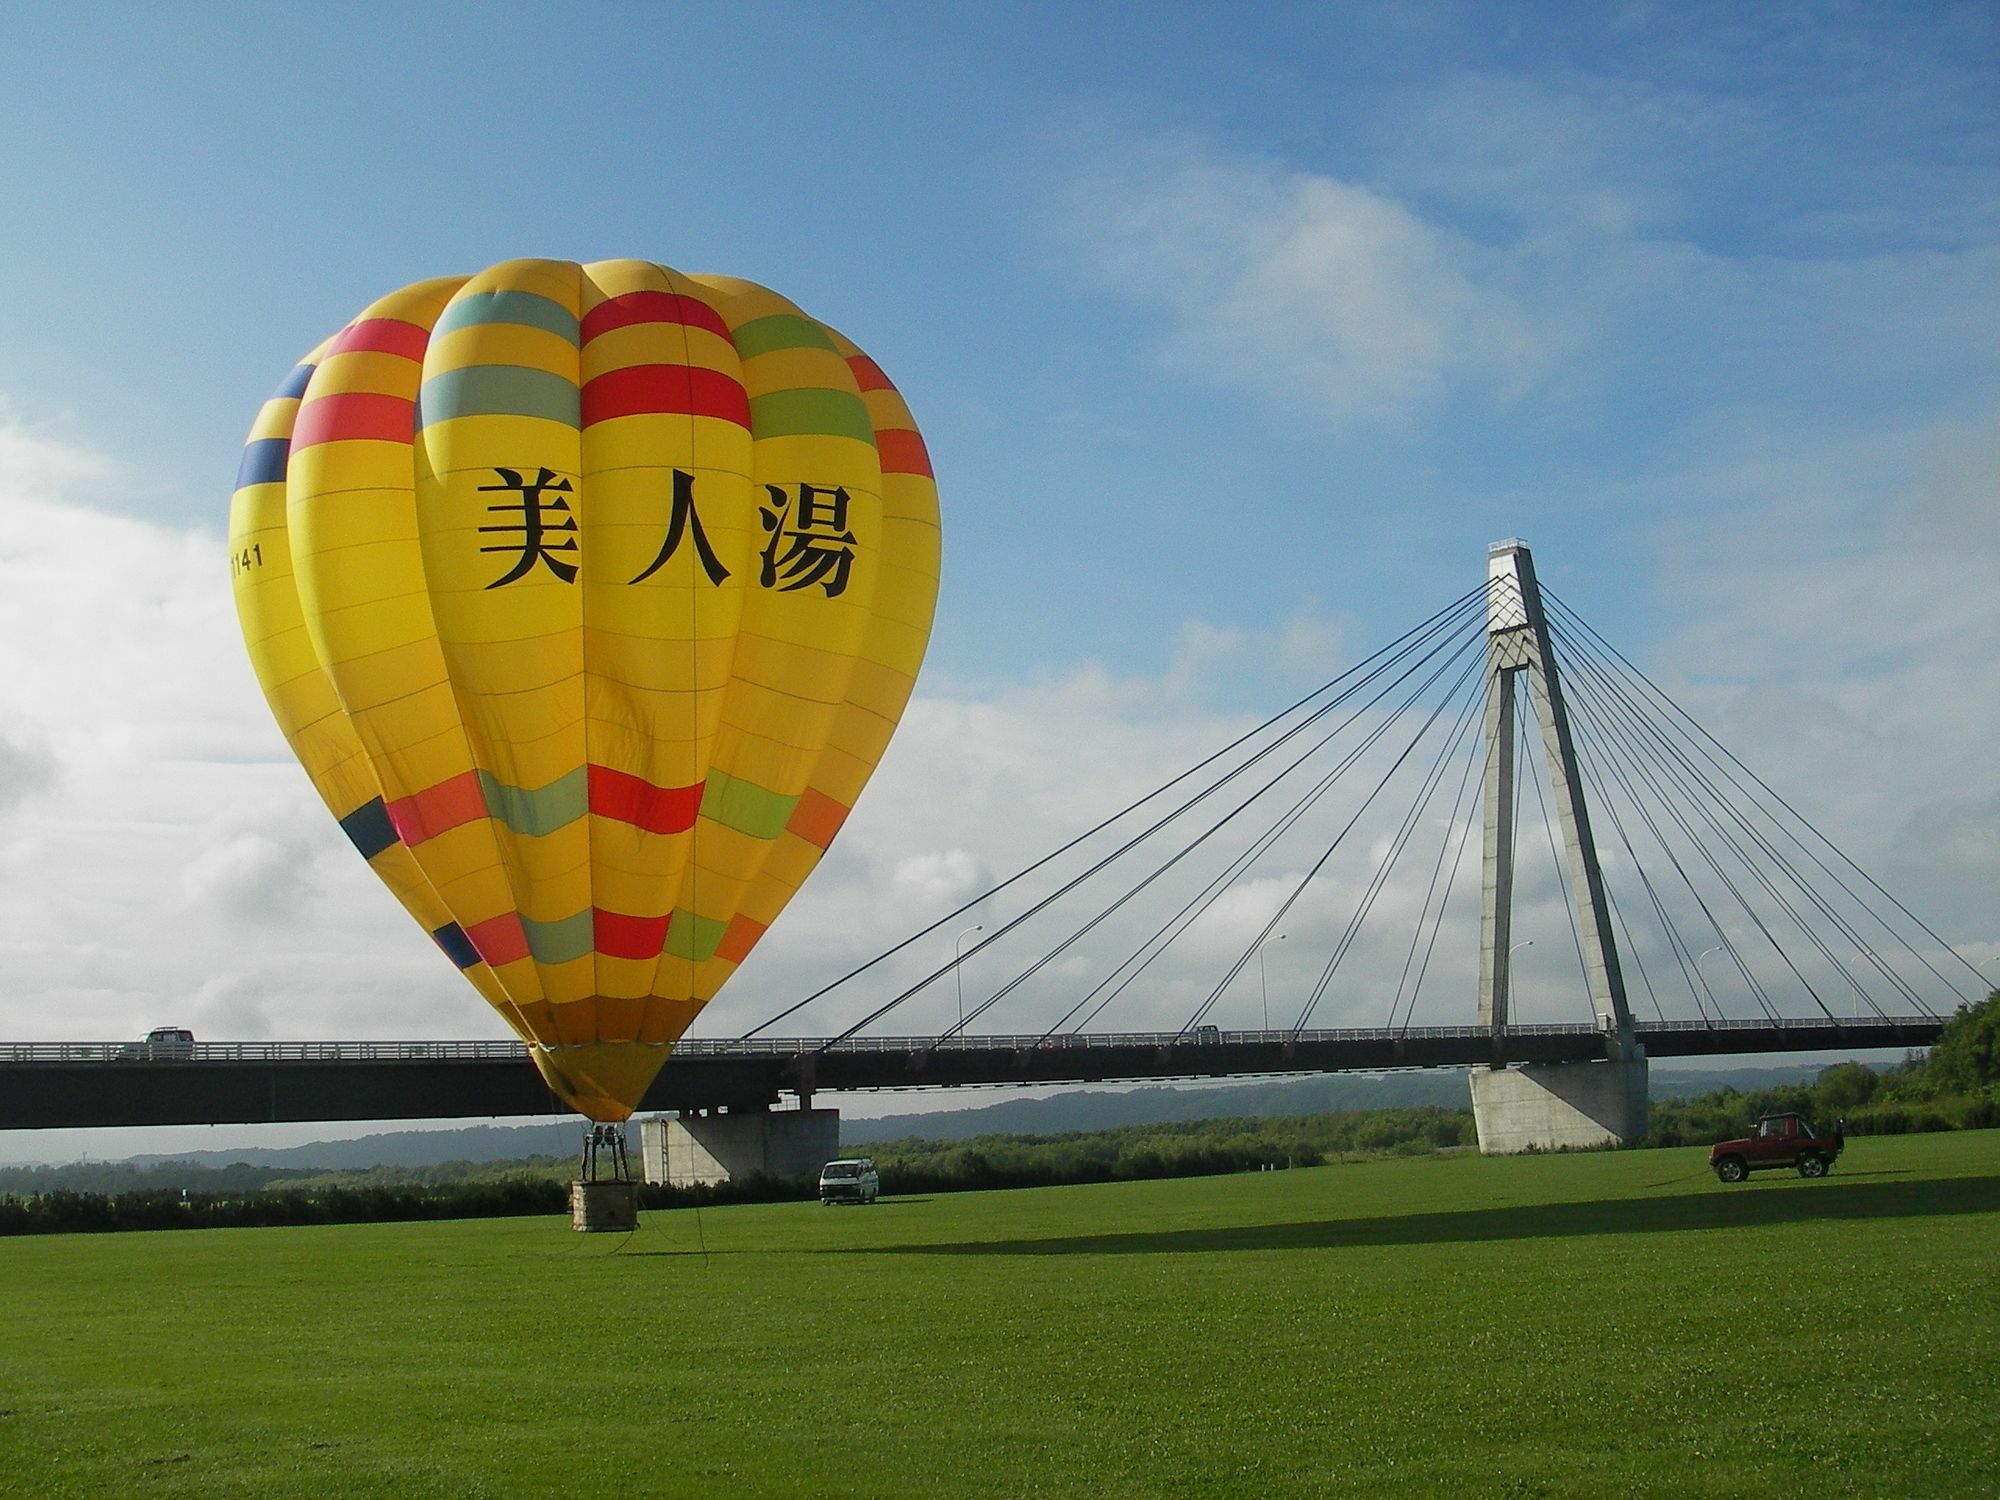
1678 713
1636 763
1201 838
1062 947
1168 932
1429 628
1863 949
1386 866
1437 921
1615 767
1458 805
1693 784
1207 1005
1374 735
1587 751
1395 646
1299 890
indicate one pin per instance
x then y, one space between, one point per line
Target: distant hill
397 1148
1075 1109
1100 1109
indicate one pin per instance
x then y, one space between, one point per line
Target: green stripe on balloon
693 938
810 411
560 941
745 806
499 391
779 331
542 810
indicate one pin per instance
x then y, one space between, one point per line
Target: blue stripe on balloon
295 384
263 462
457 946
369 829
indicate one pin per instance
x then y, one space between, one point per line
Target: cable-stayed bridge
1705 915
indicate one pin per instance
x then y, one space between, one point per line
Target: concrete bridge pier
1544 1106
1560 1106
702 1147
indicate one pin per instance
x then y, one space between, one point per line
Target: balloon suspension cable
604 1158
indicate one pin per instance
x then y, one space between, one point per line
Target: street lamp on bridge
1264 984
958 969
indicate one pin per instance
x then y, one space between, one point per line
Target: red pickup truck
1778 1141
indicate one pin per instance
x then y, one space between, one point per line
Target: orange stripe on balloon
438 809
738 938
817 818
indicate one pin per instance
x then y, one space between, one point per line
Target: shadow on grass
1741 1207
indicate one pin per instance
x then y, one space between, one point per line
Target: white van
850 1180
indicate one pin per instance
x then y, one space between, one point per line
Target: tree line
1953 1086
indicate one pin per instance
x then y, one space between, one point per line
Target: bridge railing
502 1051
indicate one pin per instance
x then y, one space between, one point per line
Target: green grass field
1587 1325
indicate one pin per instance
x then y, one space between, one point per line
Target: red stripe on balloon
354 414
618 936
652 307
867 374
634 800
380 336
680 390
499 940
439 809
903 452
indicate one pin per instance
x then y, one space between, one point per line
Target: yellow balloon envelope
589 597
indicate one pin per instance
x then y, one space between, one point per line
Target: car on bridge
1786 1140
162 1044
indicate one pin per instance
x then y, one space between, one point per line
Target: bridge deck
76 1084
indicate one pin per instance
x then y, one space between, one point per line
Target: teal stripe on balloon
543 810
560 941
528 309
779 331
499 391
809 411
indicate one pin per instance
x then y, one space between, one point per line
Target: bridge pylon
1559 1105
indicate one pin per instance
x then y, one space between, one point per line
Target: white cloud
1318 292
168 863
25 770
159 847
1553 250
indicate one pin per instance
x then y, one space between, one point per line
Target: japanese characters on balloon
588 596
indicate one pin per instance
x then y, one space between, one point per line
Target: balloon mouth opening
602 1081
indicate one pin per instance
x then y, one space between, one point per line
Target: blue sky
1235 332
1642 236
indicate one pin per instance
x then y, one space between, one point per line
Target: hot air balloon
589 597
